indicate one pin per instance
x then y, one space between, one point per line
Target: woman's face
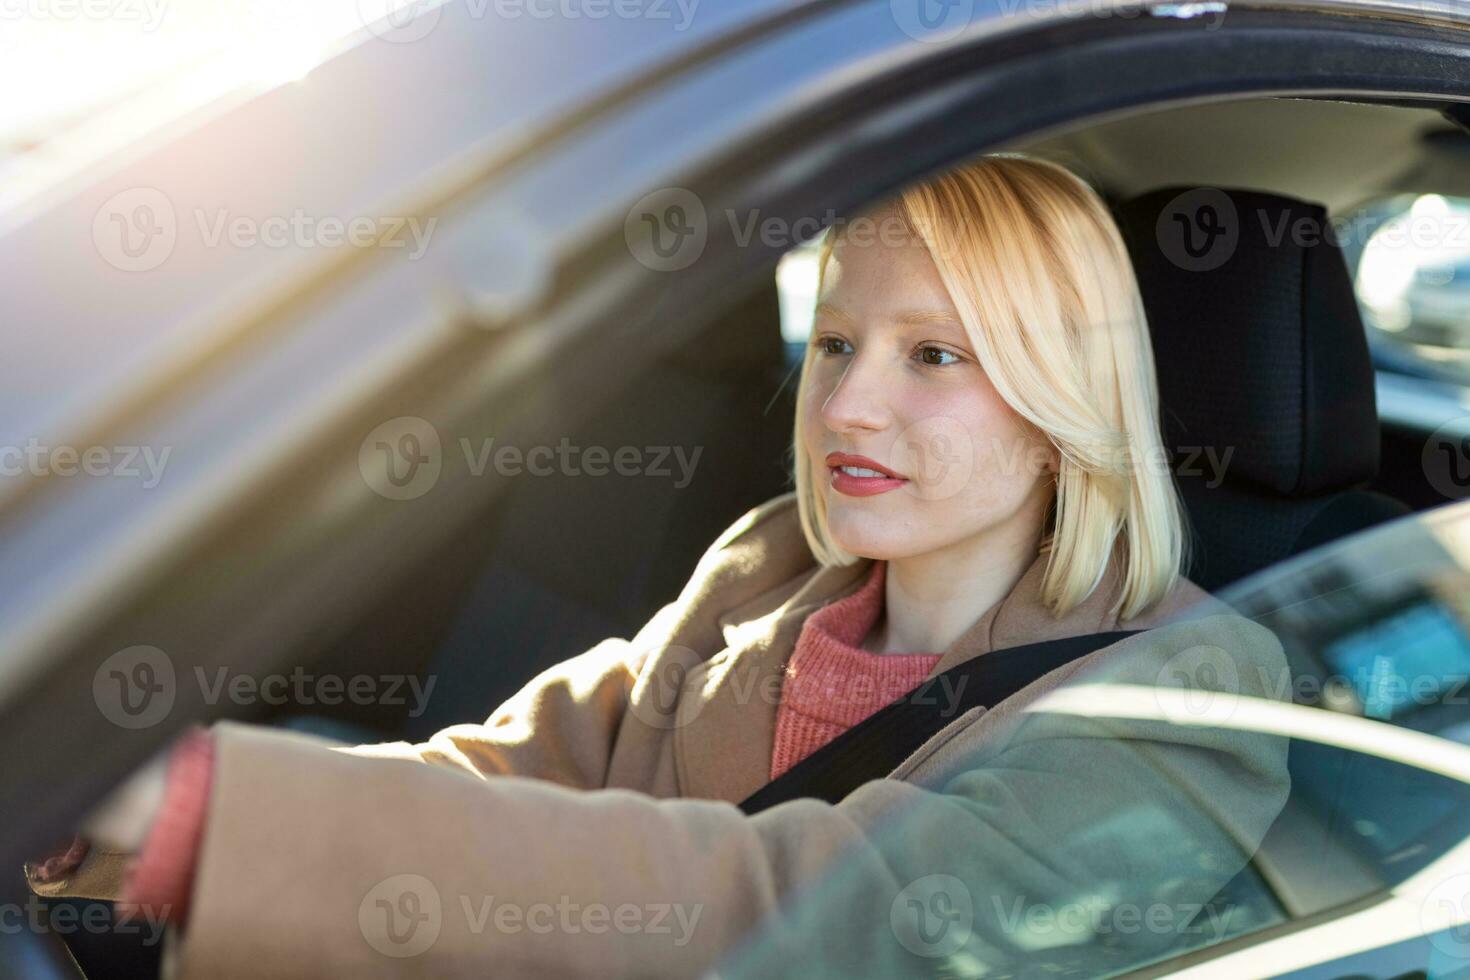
894 379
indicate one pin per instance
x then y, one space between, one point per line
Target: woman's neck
930 600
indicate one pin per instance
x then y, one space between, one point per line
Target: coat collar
726 735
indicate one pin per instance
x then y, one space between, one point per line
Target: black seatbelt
876 746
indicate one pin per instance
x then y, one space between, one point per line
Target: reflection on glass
1411 255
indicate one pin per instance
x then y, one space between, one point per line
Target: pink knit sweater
831 684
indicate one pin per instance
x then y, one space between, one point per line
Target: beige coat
494 860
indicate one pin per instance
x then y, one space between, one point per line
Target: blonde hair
1046 293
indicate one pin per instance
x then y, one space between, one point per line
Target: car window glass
1410 259
1227 787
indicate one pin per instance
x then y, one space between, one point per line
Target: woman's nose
859 400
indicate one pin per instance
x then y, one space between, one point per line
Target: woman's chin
880 543
877 551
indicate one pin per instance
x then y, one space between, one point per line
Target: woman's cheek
937 452
936 442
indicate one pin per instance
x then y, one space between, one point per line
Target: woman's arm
404 869
561 727
140 846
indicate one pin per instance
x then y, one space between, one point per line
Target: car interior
1267 355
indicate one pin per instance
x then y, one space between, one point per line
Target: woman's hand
120 823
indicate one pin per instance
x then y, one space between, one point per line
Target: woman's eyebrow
929 316
829 310
914 317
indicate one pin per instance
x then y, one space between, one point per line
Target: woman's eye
833 345
936 356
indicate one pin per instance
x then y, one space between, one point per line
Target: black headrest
1256 335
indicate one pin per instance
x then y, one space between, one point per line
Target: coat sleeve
322 863
561 727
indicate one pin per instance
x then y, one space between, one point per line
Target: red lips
861 486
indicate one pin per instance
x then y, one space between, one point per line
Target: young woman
977 467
